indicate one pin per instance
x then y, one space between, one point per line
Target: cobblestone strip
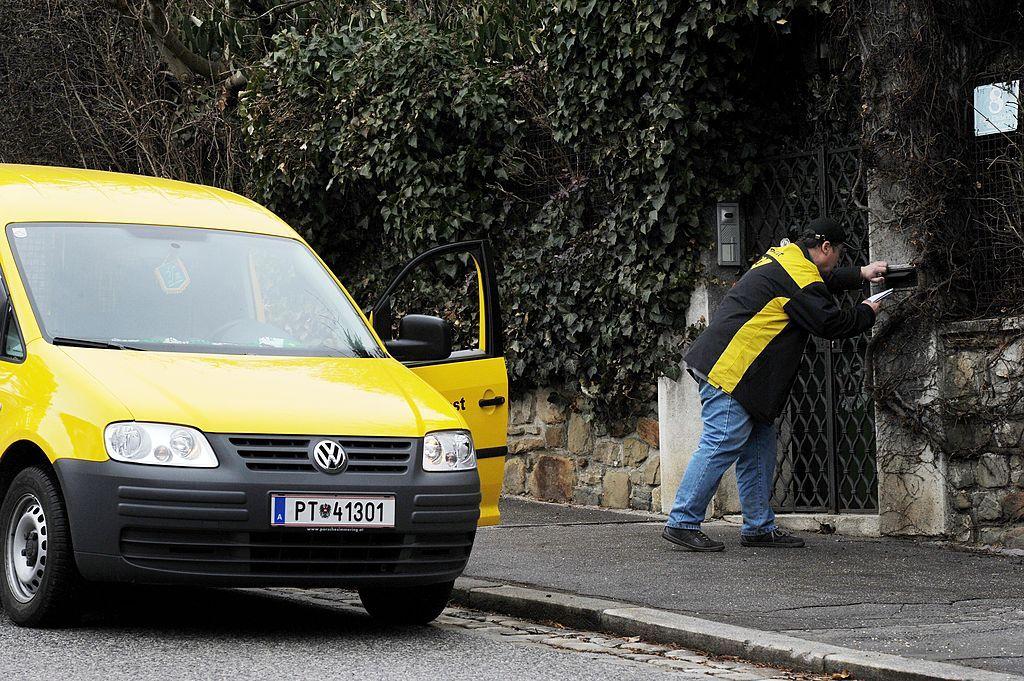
688 664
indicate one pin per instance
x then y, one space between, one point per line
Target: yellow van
188 395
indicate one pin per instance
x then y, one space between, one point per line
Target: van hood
270 394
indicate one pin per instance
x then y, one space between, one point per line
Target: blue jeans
729 436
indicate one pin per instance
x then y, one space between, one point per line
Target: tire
406 604
39 588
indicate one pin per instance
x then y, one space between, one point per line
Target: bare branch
156 23
278 10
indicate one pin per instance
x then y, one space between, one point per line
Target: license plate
328 510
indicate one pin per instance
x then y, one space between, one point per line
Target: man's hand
874 306
875 272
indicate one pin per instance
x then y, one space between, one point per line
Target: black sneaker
691 540
779 539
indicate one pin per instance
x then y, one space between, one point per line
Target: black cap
825 229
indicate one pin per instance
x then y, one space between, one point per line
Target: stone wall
982 386
559 454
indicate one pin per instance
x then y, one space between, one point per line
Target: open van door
456 283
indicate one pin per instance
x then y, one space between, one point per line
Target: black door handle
493 401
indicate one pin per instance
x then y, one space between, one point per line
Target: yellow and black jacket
752 348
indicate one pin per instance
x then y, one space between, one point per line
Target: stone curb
662 626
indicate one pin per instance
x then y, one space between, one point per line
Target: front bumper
156 525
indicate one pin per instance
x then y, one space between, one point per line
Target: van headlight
158 444
448 450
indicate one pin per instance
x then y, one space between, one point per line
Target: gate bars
827 430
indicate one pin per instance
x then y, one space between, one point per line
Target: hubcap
25 558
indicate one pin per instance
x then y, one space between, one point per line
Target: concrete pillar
907 154
679 408
912 497
679 413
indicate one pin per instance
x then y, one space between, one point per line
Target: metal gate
827 431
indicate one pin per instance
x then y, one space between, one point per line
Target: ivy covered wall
584 144
582 138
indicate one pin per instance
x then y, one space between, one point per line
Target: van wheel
40 580
406 604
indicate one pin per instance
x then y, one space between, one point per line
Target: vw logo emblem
329 456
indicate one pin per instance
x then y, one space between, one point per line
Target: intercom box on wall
727 219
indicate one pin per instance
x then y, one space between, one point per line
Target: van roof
49 194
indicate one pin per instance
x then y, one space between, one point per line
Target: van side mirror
421 338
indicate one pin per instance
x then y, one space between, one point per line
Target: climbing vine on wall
582 138
585 150
950 197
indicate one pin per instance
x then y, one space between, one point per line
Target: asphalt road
134 633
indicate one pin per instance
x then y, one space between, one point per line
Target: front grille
174 503
296 553
287 453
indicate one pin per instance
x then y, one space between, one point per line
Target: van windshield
184 289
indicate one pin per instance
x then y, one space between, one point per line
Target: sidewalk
905 598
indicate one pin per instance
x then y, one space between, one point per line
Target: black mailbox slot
901 276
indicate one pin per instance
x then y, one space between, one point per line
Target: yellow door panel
464 384
492 472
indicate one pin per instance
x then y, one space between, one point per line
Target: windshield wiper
87 343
